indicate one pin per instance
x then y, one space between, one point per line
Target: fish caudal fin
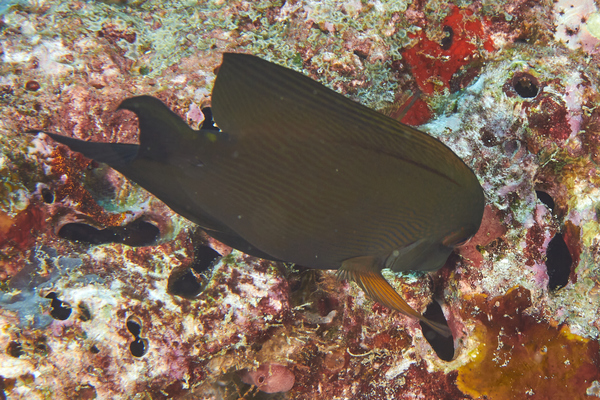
365 272
113 154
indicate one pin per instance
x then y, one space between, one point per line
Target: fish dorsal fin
366 273
161 130
252 96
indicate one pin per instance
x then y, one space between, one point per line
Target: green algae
296 35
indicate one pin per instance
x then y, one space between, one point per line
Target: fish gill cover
514 96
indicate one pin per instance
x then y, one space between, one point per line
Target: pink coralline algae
270 378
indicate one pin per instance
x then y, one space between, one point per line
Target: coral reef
105 293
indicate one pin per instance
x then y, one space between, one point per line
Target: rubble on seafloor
105 293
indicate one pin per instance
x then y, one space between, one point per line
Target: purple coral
270 378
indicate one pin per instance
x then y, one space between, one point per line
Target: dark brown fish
302 174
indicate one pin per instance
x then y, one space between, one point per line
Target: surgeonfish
299 173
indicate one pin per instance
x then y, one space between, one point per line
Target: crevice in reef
136 233
189 281
558 262
443 346
60 309
546 199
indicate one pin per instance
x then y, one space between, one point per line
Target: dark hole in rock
94 349
84 312
40 345
14 349
47 196
546 199
208 122
138 347
558 262
134 328
443 346
360 54
78 232
60 309
136 233
526 85
511 147
488 138
326 304
7 384
2 387
204 258
295 284
446 42
183 282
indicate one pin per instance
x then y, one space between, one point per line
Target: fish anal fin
366 273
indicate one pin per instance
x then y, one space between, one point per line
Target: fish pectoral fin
113 154
421 255
366 273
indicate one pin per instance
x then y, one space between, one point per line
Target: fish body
300 173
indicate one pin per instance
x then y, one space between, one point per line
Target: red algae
434 63
418 114
20 232
534 240
519 357
550 118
